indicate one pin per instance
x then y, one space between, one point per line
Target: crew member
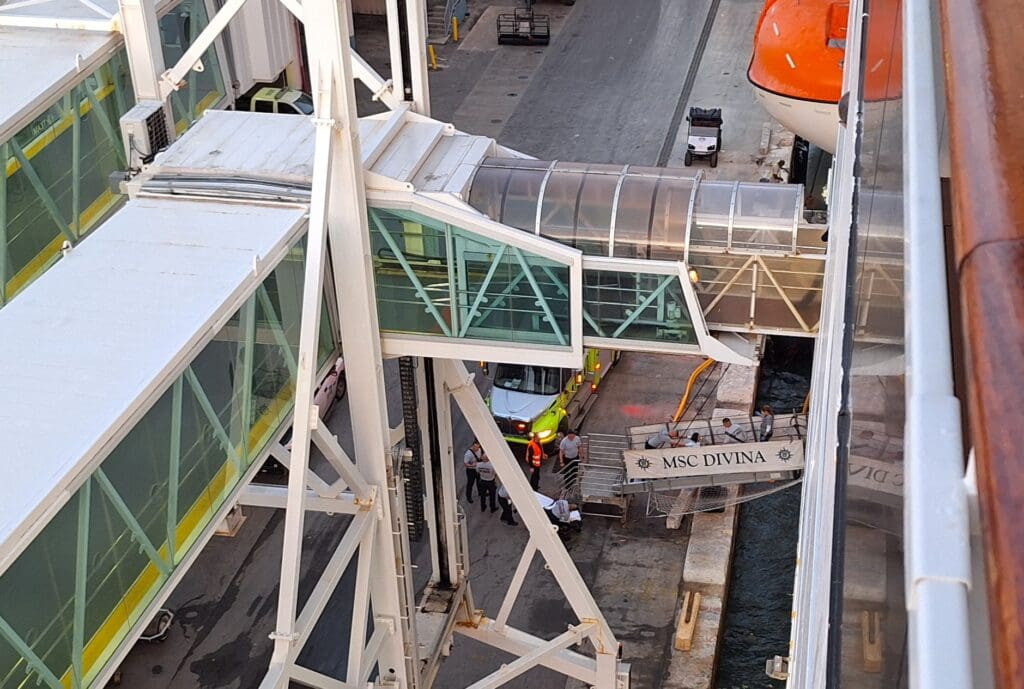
470 459
570 452
767 423
486 482
506 506
661 439
733 432
534 457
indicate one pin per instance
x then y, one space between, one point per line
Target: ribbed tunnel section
755 265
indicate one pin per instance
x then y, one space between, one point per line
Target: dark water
760 595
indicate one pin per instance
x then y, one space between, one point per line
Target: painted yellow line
48 136
202 106
48 256
117 624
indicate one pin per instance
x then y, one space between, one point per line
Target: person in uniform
734 433
535 456
486 483
570 452
506 506
470 459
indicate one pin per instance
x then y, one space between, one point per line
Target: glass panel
520 205
38 597
872 514
799 279
765 216
49 143
711 214
558 213
424 268
668 223
202 90
594 213
121 578
487 194
633 217
636 306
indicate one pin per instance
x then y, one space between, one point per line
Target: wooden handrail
985 101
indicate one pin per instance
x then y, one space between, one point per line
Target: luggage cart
524 27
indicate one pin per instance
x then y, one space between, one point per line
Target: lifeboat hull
811 120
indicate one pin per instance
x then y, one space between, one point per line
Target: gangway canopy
95 339
38 64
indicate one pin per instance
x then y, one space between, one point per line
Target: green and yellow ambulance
543 399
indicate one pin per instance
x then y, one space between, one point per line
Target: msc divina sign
671 462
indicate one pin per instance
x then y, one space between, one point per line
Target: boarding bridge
198 281
476 246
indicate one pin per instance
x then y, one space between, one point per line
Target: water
760 596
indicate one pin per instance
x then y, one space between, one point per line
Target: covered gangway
145 377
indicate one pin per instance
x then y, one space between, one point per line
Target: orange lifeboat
797 65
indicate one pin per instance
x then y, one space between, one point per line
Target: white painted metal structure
160 284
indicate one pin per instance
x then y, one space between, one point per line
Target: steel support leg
346 219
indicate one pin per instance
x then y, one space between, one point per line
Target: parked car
331 389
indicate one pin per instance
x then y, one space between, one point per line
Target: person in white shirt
734 434
662 439
469 459
506 506
570 452
693 440
486 484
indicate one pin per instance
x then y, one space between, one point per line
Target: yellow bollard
455 29
433 57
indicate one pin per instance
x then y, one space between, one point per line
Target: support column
327 40
416 20
141 30
431 481
439 404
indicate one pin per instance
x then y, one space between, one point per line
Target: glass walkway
185 320
541 258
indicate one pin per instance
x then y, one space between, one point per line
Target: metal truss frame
368 489
603 670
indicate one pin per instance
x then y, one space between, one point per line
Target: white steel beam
285 634
519 643
383 90
416 19
316 680
359 530
542 532
344 211
535 657
360 609
515 585
276 497
430 499
340 461
141 30
317 484
449 459
172 79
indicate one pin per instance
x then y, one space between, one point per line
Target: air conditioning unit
145 131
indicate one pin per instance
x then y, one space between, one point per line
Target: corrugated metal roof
103 332
401 147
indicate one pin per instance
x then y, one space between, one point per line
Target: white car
331 389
